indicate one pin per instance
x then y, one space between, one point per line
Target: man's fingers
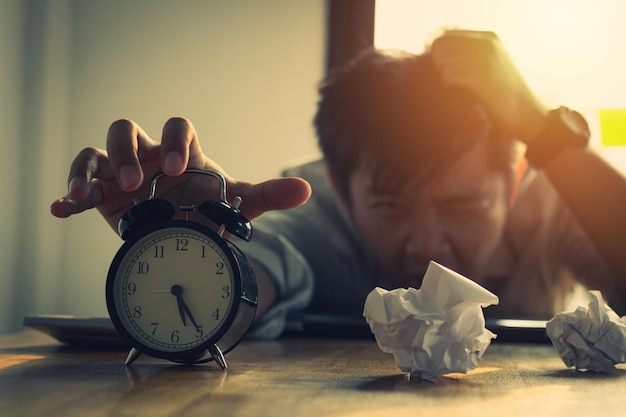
68 206
127 144
180 147
88 170
275 194
89 164
131 155
286 193
463 41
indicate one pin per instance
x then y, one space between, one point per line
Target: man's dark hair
390 110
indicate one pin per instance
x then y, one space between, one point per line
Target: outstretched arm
594 191
108 180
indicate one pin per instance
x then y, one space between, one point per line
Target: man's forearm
595 192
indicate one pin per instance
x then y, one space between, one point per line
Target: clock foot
218 357
132 356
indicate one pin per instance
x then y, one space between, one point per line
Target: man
421 162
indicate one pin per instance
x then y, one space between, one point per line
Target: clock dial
174 290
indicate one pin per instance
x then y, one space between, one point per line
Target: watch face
173 290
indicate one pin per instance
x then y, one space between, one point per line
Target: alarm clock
176 289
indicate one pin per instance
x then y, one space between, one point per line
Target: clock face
174 289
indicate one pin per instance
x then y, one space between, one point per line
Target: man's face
455 218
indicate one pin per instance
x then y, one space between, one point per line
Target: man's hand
109 180
479 62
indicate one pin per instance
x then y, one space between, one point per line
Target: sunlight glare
570 51
8 361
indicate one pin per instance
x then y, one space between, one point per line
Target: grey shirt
315 256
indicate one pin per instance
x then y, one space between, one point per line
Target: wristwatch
564 129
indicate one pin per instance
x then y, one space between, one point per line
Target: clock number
203 254
217 314
154 327
137 312
175 338
220 268
143 267
159 251
131 288
181 245
226 291
199 332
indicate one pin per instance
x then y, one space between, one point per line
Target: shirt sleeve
290 272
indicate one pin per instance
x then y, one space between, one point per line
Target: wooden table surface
295 377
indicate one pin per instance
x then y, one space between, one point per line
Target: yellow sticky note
613 127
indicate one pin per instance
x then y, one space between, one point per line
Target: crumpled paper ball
435 330
591 338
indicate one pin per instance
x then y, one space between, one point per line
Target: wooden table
295 377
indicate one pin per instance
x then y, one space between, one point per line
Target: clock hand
183 309
193 321
176 291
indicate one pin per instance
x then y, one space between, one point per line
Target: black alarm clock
176 289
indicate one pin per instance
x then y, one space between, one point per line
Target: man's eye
461 204
387 205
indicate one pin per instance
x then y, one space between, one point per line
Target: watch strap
564 129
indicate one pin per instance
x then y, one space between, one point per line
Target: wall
245 72
10 104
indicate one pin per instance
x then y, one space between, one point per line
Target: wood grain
294 377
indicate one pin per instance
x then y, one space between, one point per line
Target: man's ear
520 171
341 197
